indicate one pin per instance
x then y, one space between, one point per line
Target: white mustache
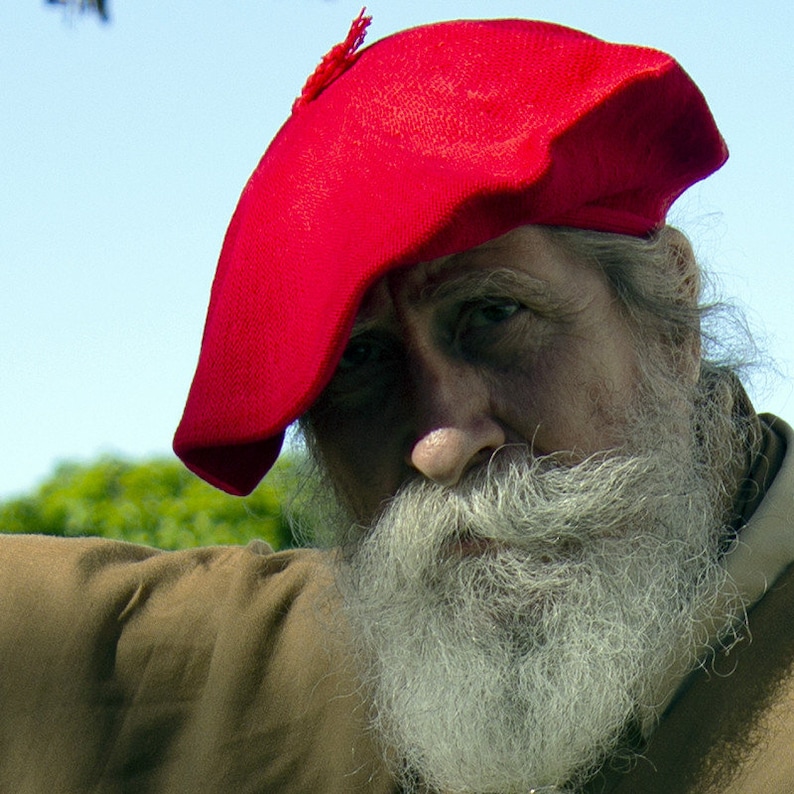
517 501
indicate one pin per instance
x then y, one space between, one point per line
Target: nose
455 428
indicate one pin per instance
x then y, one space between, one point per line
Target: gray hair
661 287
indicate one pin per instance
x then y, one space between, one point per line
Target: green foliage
157 503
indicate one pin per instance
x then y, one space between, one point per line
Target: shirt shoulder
217 669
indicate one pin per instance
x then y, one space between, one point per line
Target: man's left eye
488 313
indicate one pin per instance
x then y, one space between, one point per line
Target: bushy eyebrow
475 283
460 280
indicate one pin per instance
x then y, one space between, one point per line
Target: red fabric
338 60
426 143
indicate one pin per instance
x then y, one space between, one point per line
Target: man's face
535 539
512 342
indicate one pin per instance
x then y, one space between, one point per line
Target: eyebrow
462 278
481 282
365 326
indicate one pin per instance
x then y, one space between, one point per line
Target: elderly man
561 534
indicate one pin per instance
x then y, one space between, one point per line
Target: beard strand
519 666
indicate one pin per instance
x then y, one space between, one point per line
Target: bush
157 503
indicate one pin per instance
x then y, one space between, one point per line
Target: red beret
427 143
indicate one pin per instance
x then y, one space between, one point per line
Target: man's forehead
528 253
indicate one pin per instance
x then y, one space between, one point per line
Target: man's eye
367 374
361 353
490 313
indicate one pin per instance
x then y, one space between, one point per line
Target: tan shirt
125 669
732 727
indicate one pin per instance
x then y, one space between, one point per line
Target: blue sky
125 147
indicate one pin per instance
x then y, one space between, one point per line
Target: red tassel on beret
429 142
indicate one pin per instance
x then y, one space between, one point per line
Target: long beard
510 628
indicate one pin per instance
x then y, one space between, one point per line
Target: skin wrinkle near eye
469 276
512 343
361 387
464 291
466 282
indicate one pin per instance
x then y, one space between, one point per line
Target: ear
686 271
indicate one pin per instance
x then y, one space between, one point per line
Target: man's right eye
359 353
367 374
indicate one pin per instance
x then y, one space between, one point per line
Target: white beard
520 666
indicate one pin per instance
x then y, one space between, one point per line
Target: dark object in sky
100 6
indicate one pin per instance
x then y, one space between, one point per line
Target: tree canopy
157 503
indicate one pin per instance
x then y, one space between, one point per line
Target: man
554 512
